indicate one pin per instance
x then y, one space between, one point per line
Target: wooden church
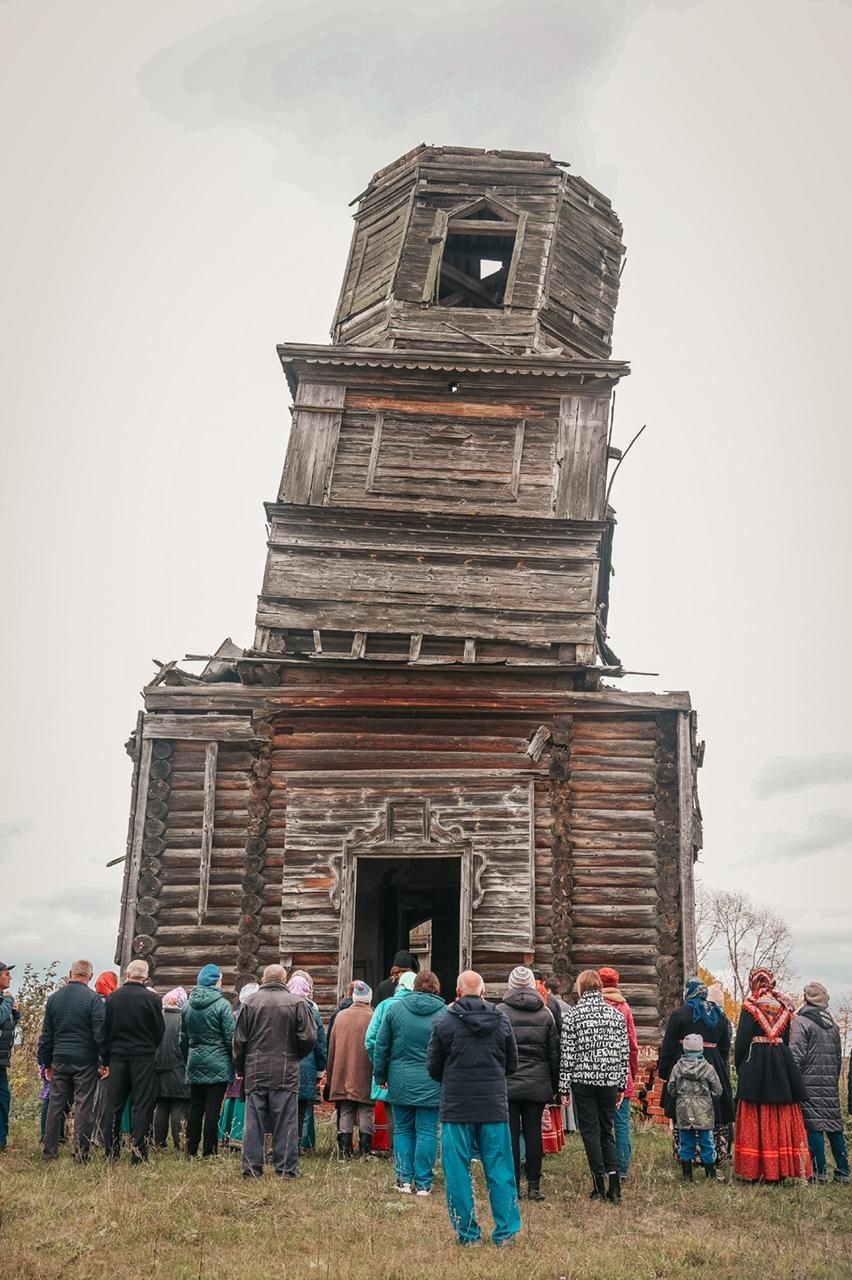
423 739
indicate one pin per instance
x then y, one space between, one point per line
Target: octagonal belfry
455 247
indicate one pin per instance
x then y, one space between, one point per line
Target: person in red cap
623 1139
9 1014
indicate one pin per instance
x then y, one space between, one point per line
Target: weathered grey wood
134 861
538 742
686 846
359 644
199 728
207 827
313 443
581 458
136 756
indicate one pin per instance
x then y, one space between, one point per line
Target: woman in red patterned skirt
771 1142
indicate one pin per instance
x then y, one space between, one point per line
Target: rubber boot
613 1195
686 1170
711 1171
365 1146
599 1192
534 1191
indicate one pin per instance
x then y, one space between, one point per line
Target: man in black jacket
471 1051
72 1045
133 1028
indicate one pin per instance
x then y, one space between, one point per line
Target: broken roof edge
425 149
342 355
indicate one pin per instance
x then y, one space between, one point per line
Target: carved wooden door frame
434 840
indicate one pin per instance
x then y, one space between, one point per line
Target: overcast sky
177 177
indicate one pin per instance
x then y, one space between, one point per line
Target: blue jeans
837 1142
415 1144
623 1138
5 1106
706 1145
493 1144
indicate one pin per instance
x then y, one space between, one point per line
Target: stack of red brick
647 1095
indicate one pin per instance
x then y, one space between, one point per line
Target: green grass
200 1221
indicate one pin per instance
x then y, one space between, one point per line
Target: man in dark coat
536 1080
274 1031
9 1014
471 1051
71 1049
133 1029
816 1048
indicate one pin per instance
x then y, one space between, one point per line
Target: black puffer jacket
8 1022
537 1076
815 1045
471 1051
73 1026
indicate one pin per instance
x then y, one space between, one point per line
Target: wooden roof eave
343 694
299 358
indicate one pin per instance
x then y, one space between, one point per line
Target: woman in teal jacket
206 1033
399 1064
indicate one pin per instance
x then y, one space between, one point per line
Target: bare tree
843 1018
706 931
749 935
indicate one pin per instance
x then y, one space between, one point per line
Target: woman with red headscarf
771 1142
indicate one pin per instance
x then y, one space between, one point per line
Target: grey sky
177 177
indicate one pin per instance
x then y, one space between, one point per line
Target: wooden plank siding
438 577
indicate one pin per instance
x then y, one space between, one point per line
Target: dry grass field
172 1220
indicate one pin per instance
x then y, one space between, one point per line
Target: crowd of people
487 1077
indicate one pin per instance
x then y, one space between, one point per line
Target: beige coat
350 1074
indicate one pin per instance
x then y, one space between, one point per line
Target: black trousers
526 1116
594 1107
71 1083
205 1103
170 1113
137 1076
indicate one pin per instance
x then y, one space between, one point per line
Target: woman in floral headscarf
310 1068
771 1141
700 1016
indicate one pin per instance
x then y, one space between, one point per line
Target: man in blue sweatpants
471 1051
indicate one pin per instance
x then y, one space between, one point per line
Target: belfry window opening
476 261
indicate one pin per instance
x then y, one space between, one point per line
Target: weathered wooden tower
421 730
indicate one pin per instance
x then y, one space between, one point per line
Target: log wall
601 837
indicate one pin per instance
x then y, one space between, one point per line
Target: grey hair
137 970
82 969
274 973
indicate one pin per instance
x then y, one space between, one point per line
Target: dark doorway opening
394 899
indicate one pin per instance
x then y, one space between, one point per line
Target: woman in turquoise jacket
206 1034
399 1064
